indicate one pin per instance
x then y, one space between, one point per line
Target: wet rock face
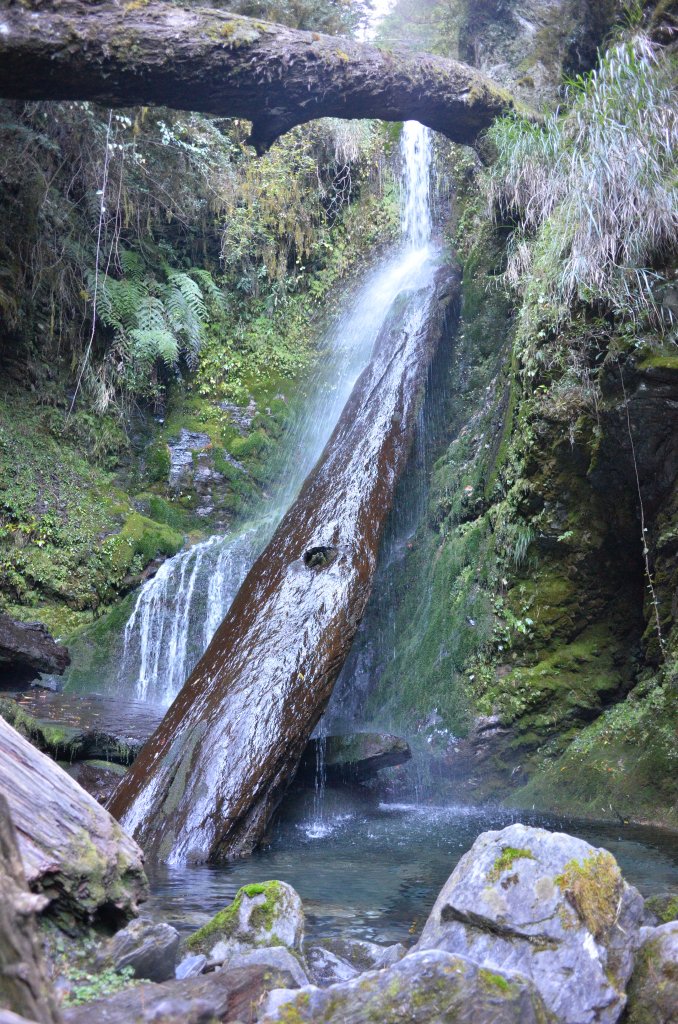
352 758
528 45
26 649
431 987
263 914
549 906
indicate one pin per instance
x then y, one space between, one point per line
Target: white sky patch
380 9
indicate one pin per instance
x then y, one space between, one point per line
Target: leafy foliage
594 189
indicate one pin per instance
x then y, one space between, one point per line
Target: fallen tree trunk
154 52
24 986
73 851
207 781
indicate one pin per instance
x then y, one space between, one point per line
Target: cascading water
346 703
178 611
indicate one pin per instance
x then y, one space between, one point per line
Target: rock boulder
549 906
653 991
263 914
150 949
431 987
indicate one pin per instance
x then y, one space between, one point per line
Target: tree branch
147 52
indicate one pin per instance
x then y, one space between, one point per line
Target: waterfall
417 156
177 611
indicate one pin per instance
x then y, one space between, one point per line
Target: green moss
225 924
504 861
659 361
622 764
665 907
144 538
593 887
59 741
495 981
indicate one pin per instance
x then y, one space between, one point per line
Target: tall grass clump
594 189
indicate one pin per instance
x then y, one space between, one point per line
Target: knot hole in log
319 557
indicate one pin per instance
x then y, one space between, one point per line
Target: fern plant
156 318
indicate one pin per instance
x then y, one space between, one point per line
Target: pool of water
372 870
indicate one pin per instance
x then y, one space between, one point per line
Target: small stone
365 956
277 958
191 967
326 968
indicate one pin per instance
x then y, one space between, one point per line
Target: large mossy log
194 58
207 781
73 852
24 986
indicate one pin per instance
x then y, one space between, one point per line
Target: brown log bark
207 781
73 851
24 985
153 52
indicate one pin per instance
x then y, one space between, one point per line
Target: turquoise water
373 870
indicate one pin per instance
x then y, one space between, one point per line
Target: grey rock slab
653 989
352 758
431 987
549 906
363 955
150 949
190 967
326 968
275 958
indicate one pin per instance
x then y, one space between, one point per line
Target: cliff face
536 609
530 45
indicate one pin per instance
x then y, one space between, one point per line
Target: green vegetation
505 861
593 887
226 924
594 189
70 960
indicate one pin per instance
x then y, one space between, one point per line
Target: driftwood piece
73 851
24 986
194 58
207 781
26 649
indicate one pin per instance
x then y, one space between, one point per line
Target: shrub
593 188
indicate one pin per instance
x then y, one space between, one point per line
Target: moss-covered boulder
653 991
547 905
262 914
431 987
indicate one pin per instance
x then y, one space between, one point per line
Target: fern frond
149 345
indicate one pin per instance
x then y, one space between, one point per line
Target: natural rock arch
153 52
